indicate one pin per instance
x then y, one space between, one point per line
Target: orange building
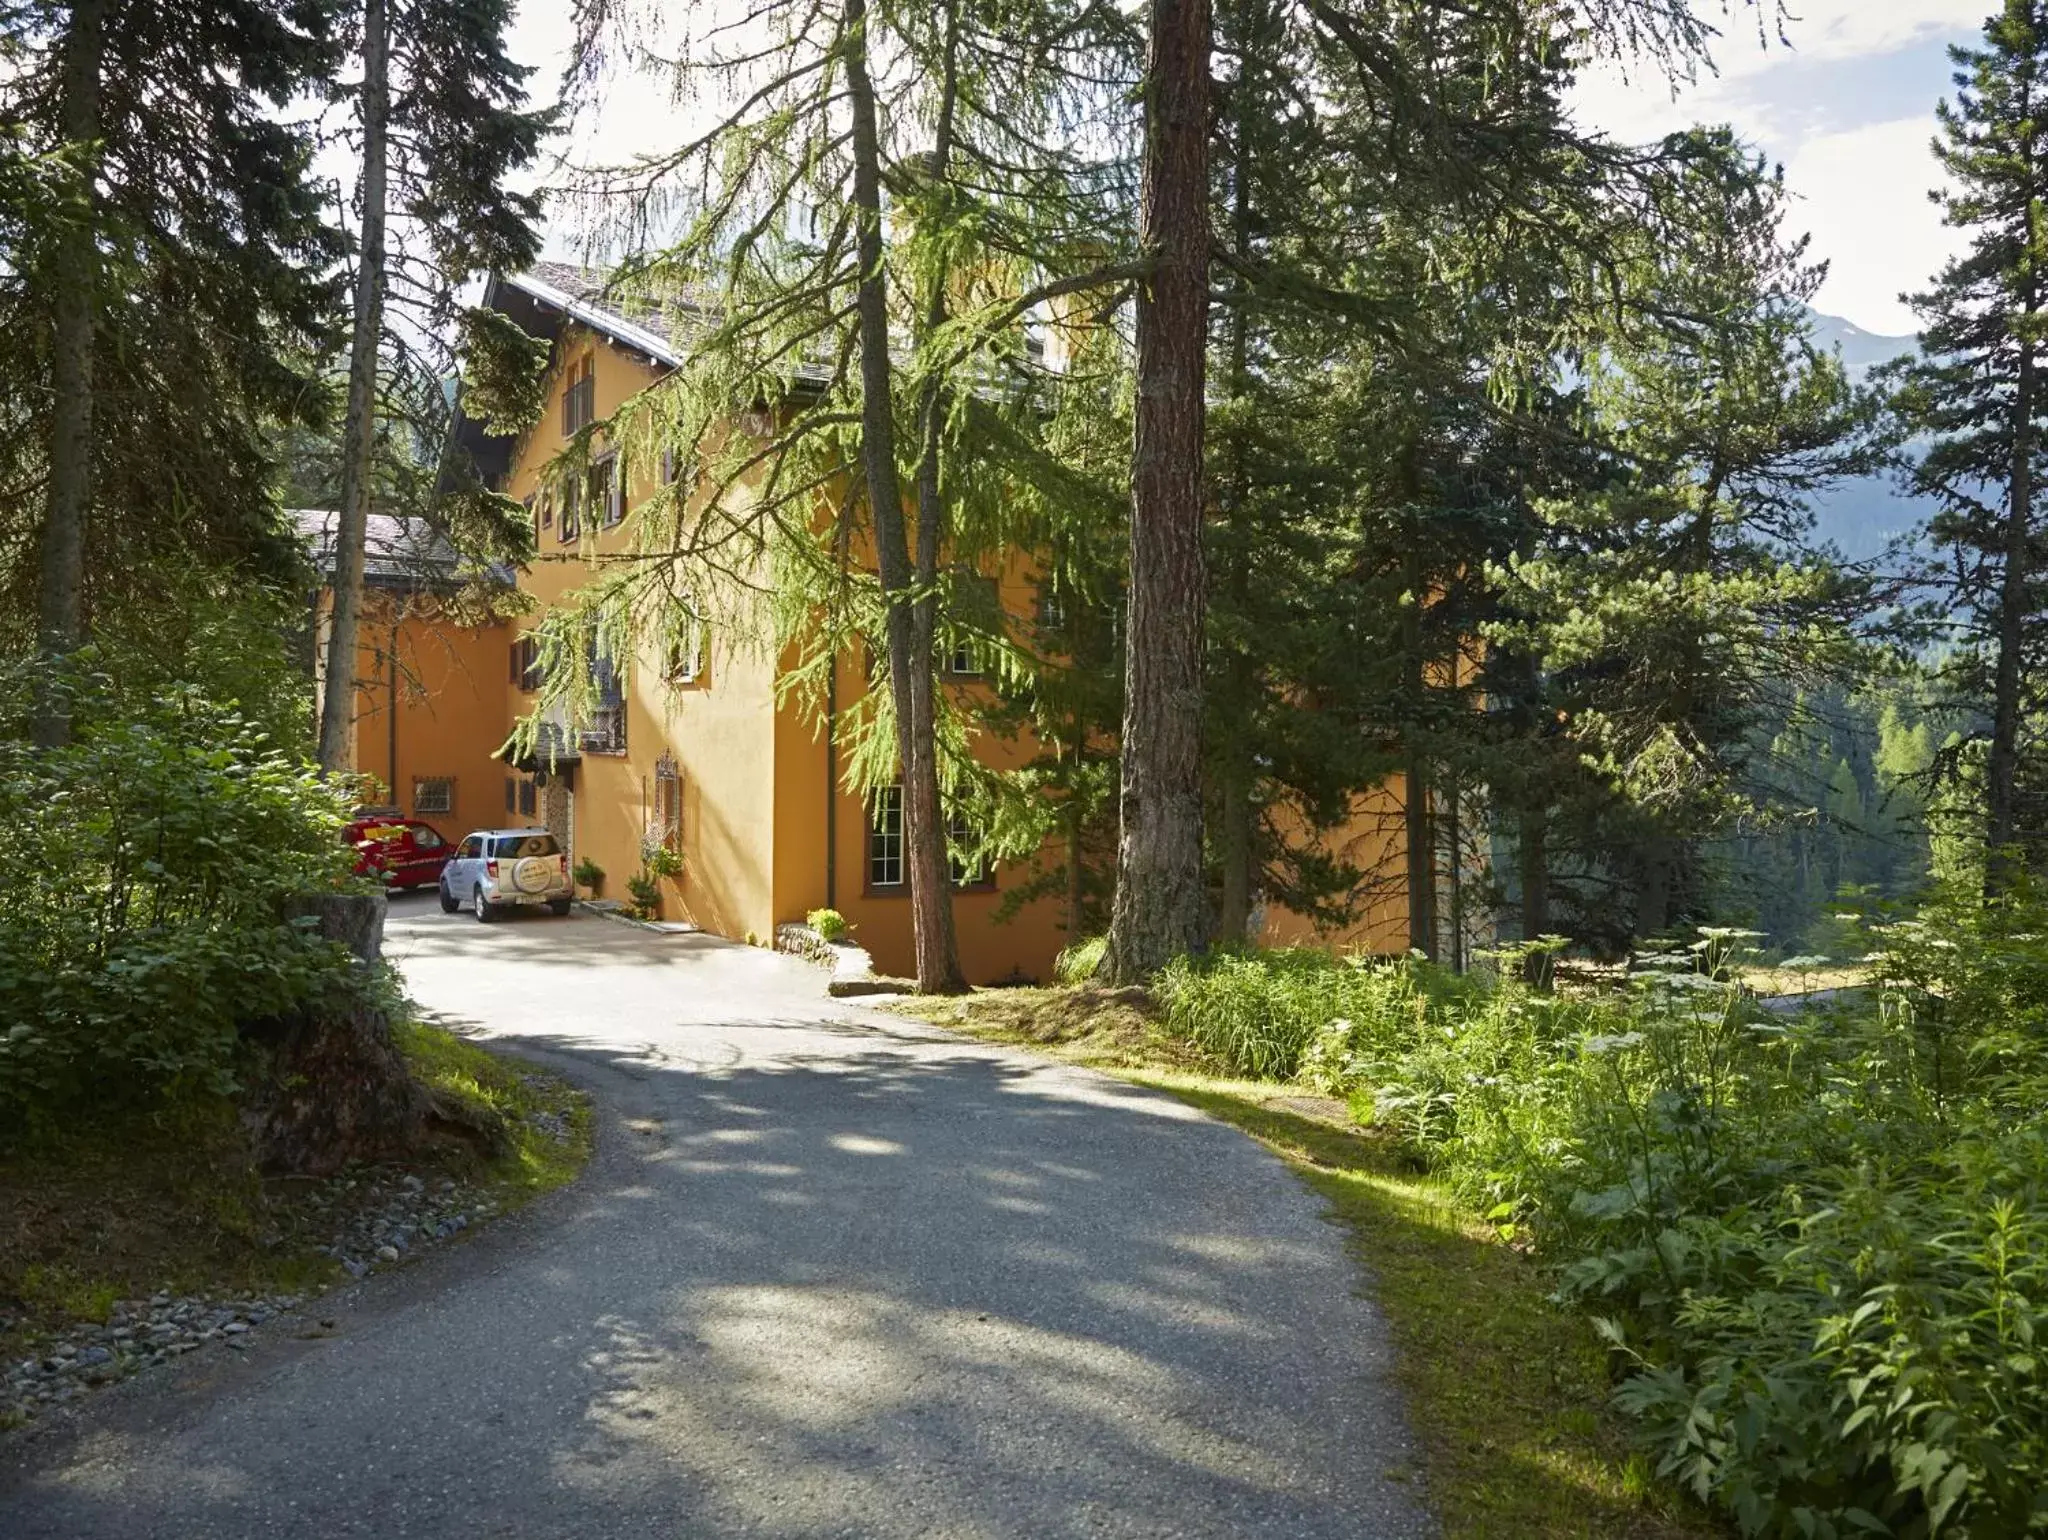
697 754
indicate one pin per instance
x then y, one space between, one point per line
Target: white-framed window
962 662
433 794
671 466
885 837
667 827
607 496
687 654
571 524
960 832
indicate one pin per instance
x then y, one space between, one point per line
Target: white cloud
1860 187
1863 196
1848 29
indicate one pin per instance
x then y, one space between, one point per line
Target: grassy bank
1508 1393
172 1203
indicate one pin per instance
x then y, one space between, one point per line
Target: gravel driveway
831 1274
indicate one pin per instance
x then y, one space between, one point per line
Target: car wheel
482 907
449 903
558 907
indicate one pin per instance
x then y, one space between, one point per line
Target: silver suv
498 869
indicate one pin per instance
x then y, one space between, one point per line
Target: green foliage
588 873
1080 962
210 286
504 372
1276 1014
644 890
1817 1244
1969 419
143 868
830 924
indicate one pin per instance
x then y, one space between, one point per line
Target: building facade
695 752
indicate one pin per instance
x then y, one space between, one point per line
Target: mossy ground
1508 1395
170 1200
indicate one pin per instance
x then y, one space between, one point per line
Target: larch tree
439 122
878 198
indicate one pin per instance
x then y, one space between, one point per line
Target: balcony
606 733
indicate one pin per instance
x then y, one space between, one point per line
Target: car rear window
528 845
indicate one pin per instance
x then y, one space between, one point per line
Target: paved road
831 1274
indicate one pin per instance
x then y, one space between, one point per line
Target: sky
1848 110
1845 103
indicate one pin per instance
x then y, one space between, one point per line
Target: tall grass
1079 963
1300 1011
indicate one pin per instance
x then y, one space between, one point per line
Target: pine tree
437 138
1160 910
1681 600
1976 394
178 266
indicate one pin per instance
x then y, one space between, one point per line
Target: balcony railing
606 733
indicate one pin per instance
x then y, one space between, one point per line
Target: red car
403 852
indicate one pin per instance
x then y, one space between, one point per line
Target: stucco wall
1023 945
720 729
1373 841
450 714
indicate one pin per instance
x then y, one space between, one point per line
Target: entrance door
558 812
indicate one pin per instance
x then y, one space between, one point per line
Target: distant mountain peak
1861 350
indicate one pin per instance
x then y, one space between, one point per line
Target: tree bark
1532 859
1653 892
1419 827
1159 899
1235 846
2001 768
75 283
910 659
351 524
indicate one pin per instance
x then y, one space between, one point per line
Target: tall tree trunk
1235 847
1653 887
1532 862
352 519
60 611
1076 875
1159 900
910 665
938 951
2001 769
1419 827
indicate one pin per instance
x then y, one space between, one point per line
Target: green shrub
144 869
830 924
587 873
1079 963
644 891
1818 1243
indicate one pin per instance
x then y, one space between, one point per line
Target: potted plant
590 875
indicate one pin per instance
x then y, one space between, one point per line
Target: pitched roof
396 552
648 323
